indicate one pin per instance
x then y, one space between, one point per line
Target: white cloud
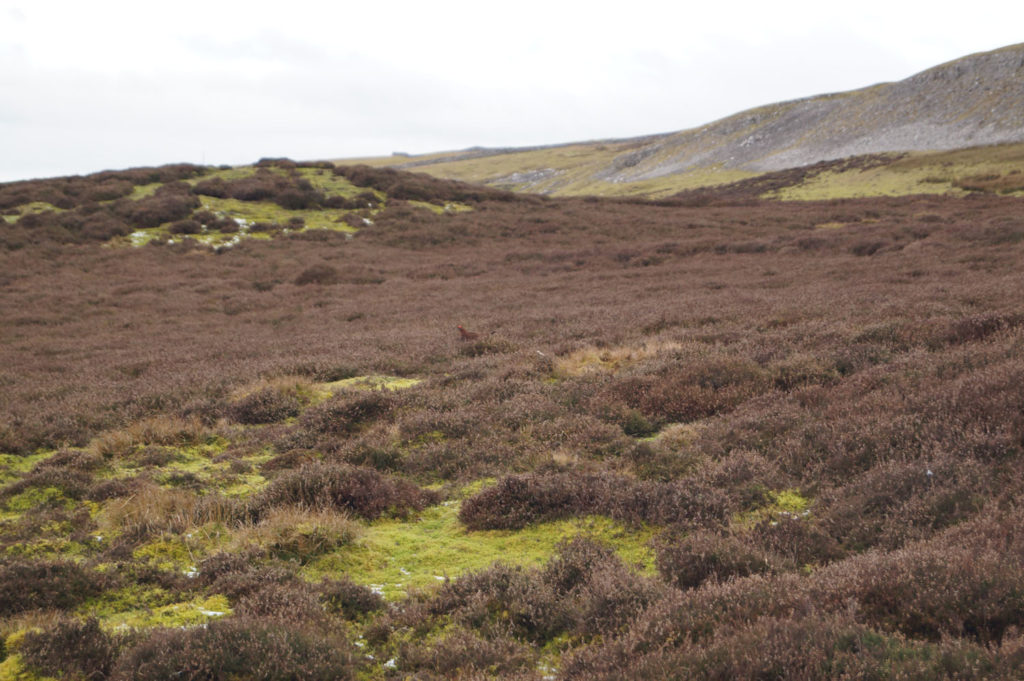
113 83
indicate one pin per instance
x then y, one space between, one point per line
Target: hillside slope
969 102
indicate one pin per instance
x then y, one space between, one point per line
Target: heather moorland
713 436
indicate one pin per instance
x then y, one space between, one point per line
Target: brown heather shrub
461 654
187 226
216 187
280 399
689 393
349 599
585 589
43 584
298 534
517 501
73 484
288 191
346 412
610 599
171 202
341 487
955 591
324 275
930 591
294 603
701 556
157 430
795 540
980 326
813 648
293 458
261 650
418 186
71 649
153 509
746 477
503 599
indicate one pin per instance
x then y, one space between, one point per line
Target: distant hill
973 101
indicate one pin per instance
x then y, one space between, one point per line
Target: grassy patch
943 172
609 360
266 211
248 213
395 556
784 503
372 382
570 170
141 191
448 208
30 208
13 466
298 534
334 185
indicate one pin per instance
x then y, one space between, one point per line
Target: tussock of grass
610 360
155 509
297 534
156 430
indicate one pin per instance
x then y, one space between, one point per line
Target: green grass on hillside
574 170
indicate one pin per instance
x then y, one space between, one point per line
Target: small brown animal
467 335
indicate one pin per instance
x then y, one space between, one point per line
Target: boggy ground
740 440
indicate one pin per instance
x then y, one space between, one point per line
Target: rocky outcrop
972 101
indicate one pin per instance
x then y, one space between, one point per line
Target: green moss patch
787 502
13 466
30 208
395 556
195 612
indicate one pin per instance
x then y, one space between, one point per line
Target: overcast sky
86 86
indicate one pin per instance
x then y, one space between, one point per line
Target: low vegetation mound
517 501
360 491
